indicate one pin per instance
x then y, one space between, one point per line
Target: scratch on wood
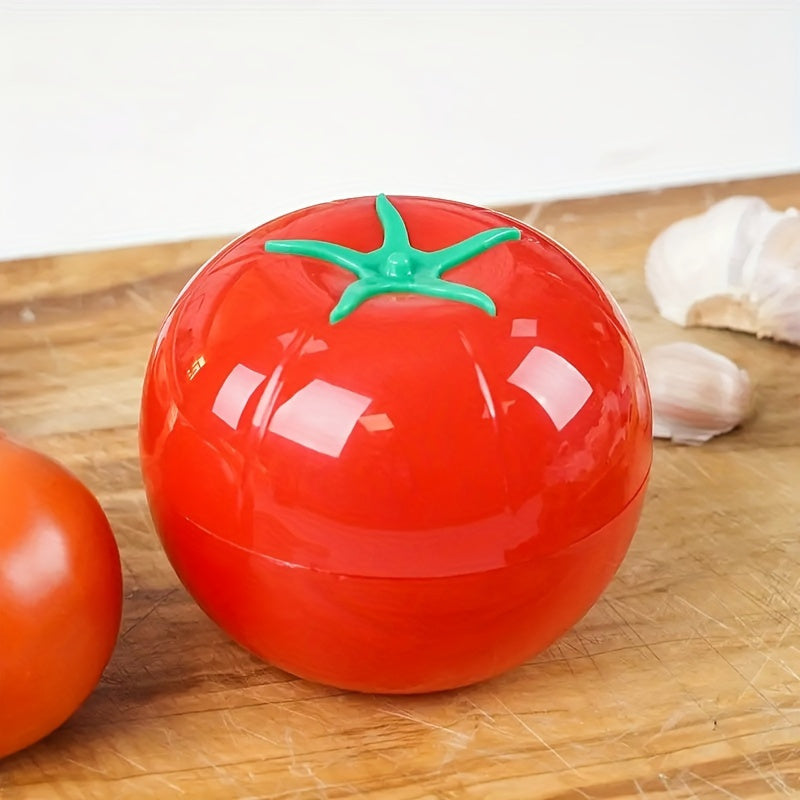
777 777
715 786
768 779
173 786
749 682
665 782
616 603
128 760
232 725
103 772
534 734
703 613
464 737
480 710
669 724
155 605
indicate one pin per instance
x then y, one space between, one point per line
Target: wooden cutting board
682 682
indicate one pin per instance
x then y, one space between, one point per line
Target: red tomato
375 483
60 595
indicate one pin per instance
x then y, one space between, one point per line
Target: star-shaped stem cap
397 266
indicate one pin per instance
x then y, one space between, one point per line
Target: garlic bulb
696 392
735 266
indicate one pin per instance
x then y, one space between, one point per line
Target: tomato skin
418 496
60 595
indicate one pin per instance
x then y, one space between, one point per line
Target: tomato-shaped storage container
395 444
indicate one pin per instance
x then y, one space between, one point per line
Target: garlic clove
773 269
774 257
696 393
779 316
723 268
677 267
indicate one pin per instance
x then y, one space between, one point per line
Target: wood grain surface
682 682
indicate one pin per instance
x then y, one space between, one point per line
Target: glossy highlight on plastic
419 496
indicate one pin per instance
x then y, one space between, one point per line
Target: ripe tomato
60 595
392 469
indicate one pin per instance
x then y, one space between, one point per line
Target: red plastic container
420 494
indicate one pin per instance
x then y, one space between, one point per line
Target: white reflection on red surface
234 393
524 327
553 383
321 416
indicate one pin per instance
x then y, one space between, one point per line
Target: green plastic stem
396 266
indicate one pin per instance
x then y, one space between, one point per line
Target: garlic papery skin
735 266
696 393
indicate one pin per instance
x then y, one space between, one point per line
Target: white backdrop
124 123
